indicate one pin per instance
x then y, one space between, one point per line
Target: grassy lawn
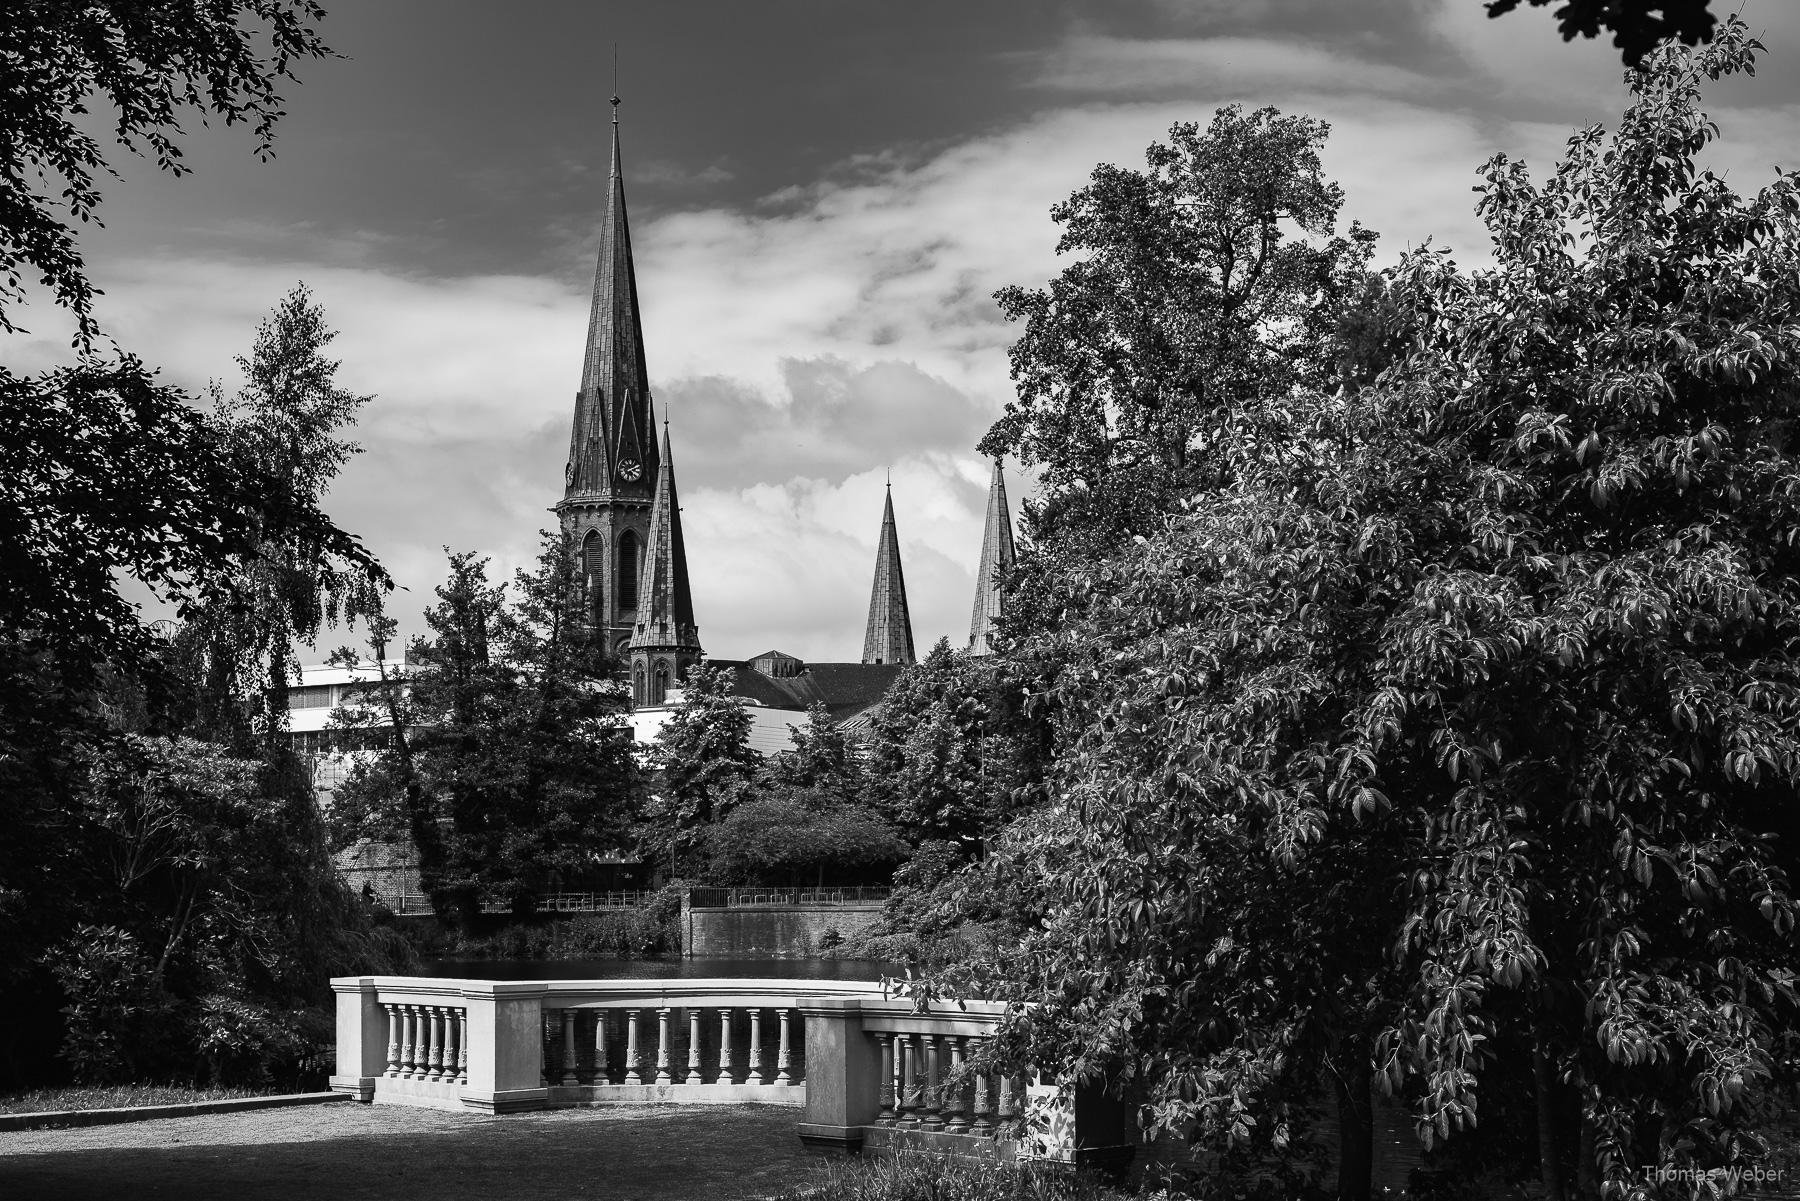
119 1096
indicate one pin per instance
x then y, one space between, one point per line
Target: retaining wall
770 931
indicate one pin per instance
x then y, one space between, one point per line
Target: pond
662 969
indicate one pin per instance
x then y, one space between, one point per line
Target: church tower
889 637
614 466
996 558
665 642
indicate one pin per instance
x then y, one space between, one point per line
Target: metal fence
726 898
416 904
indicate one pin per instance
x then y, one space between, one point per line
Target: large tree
149 63
506 758
1459 745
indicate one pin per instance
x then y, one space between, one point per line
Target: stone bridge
864 1070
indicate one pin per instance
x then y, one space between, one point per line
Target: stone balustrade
871 1071
505 1046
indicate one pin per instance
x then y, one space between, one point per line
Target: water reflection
661 969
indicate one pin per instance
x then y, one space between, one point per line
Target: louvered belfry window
628 570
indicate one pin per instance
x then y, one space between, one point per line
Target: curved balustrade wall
871 1071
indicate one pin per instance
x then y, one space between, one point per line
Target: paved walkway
344 1152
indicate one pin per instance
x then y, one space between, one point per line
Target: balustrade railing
871 1070
412 904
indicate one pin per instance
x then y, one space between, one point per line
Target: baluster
602 1072
634 1061
726 1074
408 1049
784 1061
758 1075
462 1045
885 1052
1008 1108
909 1084
984 1113
934 1089
449 1073
954 1099
546 1036
694 1047
393 1060
663 1075
568 1047
434 1052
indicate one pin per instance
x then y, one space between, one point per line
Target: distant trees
507 760
1452 740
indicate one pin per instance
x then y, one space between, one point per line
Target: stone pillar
885 1055
434 1051
568 1047
694 1045
408 1045
758 1074
957 1115
367 1037
393 1051
726 1075
601 1073
843 1075
506 1045
909 1082
634 1061
663 1075
462 1045
784 1062
934 1089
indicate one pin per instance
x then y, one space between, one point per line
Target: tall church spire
996 558
613 459
610 448
889 638
665 642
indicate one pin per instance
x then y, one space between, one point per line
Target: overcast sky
824 196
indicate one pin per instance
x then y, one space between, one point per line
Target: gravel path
343 1152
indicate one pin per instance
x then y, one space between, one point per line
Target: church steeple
996 558
889 637
665 642
613 460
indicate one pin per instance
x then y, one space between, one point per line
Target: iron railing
726 898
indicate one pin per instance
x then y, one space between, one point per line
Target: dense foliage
504 755
1452 739
165 881
1637 26
149 62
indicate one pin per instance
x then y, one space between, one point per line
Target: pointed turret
613 461
665 642
996 558
889 638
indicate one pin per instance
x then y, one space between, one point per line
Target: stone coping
145 1113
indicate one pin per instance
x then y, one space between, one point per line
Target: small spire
888 637
615 98
996 560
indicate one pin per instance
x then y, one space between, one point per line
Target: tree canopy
150 62
1457 743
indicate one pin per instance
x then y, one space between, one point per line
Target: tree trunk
1356 1128
1587 1168
1549 1157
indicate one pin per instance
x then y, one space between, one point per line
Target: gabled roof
845 689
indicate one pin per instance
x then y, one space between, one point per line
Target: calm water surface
661 969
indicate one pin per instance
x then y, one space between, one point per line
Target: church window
593 564
628 570
637 687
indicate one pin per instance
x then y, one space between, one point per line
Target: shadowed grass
118 1096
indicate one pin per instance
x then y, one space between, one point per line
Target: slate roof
847 689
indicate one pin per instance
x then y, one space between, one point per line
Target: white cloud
806 345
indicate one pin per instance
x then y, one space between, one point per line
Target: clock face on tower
631 469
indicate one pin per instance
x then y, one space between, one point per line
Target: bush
912 1176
